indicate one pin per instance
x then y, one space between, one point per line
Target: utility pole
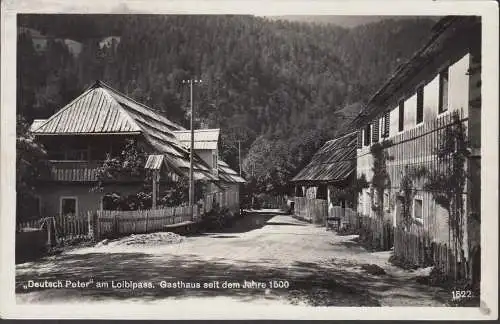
239 156
191 151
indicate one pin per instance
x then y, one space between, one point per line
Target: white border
489 175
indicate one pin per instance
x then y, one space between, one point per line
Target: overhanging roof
227 174
451 33
333 162
103 110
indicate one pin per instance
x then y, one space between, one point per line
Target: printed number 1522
459 294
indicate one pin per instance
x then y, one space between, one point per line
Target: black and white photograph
245 164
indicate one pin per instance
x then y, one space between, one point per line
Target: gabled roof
204 139
103 110
334 161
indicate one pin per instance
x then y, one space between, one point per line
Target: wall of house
50 196
205 155
414 146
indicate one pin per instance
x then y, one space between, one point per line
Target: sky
343 21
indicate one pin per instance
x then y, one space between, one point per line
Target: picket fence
347 216
225 199
379 233
108 223
274 202
415 247
112 223
311 210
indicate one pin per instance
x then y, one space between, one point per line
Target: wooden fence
378 233
415 247
108 223
274 202
69 227
348 216
225 199
311 210
112 223
60 228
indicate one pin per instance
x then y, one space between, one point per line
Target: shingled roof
227 174
104 110
333 162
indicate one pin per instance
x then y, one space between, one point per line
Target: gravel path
304 265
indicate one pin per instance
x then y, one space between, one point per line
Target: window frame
442 105
61 204
421 219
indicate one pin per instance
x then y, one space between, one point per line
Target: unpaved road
314 267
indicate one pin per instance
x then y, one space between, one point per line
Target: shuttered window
386 123
420 105
367 135
376 126
360 139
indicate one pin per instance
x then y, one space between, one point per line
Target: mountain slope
279 87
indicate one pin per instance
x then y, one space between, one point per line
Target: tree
128 164
381 179
31 164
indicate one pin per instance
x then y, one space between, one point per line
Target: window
367 135
387 205
443 91
376 125
322 192
69 206
420 105
418 210
386 124
401 121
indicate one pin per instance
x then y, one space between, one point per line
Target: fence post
90 225
95 225
147 220
49 233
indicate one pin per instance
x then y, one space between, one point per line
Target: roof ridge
122 110
105 85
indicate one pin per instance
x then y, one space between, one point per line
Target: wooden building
412 114
206 146
100 121
326 181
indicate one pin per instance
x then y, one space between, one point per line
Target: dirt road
304 264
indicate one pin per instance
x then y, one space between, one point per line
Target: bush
217 218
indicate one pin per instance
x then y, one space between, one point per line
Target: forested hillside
280 87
